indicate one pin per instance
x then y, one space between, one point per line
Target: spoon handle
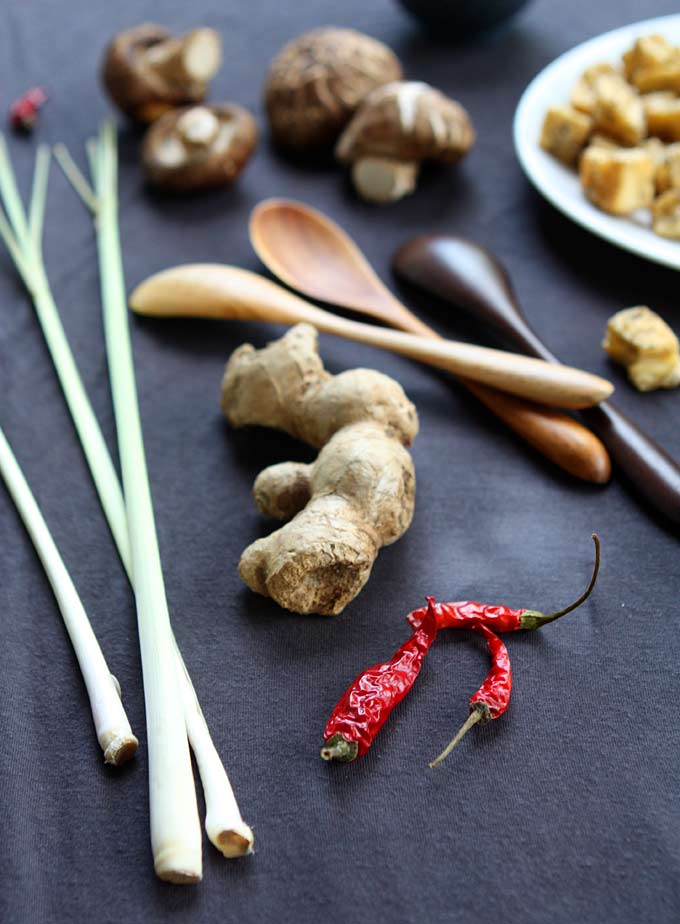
556 435
214 290
467 275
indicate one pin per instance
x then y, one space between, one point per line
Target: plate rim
595 221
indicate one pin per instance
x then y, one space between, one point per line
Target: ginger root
358 494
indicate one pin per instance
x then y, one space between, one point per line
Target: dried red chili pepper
24 111
467 614
493 697
367 703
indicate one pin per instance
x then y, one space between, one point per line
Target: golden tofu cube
667 174
656 149
618 111
583 92
658 77
565 133
662 111
603 141
648 51
618 182
642 341
666 214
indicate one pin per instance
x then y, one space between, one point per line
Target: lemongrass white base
110 721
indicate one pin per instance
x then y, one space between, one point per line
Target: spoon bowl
310 253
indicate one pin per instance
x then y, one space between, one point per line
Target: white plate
558 183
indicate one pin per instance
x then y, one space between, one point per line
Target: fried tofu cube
565 133
666 214
583 92
603 141
667 174
649 51
618 111
618 182
659 77
662 111
656 149
642 341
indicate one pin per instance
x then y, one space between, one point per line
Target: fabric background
566 810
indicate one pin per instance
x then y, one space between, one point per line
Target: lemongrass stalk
110 721
223 821
74 175
175 827
224 825
23 243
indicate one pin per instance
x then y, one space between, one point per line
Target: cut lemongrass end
111 723
175 827
120 749
234 842
176 863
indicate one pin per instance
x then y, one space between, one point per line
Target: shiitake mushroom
198 147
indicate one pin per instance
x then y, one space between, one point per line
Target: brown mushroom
147 71
396 128
316 82
198 147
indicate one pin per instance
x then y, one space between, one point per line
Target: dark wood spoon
465 274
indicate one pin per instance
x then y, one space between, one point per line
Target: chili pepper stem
532 619
479 712
339 748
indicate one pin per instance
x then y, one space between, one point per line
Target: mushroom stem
194 57
381 179
198 126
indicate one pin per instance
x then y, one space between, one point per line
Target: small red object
493 697
24 111
467 614
368 701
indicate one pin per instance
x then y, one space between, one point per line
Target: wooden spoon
312 254
468 276
212 290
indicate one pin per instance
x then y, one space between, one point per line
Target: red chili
467 614
24 111
493 697
368 701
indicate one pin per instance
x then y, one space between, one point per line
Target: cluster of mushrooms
329 87
339 87
162 80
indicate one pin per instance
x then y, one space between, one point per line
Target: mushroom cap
140 91
174 160
316 82
407 121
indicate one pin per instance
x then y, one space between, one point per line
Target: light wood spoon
212 290
312 254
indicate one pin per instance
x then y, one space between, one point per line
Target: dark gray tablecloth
564 811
